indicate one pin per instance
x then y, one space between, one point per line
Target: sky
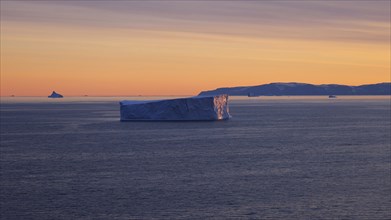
172 47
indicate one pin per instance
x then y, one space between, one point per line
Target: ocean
277 158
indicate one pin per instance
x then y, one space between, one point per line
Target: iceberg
55 95
198 108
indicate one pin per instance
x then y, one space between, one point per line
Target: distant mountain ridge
294 88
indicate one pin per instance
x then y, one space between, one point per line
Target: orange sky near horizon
181 57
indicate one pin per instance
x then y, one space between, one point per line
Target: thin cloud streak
338 21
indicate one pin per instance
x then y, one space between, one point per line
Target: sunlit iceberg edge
198 108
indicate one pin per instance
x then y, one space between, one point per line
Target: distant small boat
332 97
250 94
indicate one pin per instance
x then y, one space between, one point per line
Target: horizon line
139 95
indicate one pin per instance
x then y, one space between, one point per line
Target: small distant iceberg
55 95
198 108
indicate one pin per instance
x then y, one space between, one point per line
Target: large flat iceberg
198 108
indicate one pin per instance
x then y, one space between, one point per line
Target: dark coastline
291 89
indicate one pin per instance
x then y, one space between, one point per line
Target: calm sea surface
278 158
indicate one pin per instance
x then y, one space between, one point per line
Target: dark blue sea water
278 158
